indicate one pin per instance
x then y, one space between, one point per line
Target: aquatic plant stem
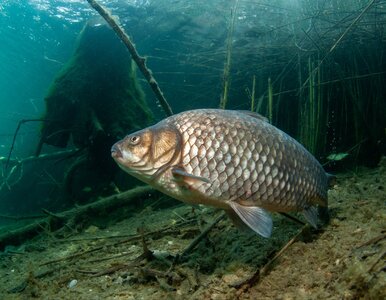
270 100
333 47
253 93
320 141
227 68
139 60
310 110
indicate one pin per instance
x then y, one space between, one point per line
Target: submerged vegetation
319 66
315 69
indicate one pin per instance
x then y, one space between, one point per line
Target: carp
233 160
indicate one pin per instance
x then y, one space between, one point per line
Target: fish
228 159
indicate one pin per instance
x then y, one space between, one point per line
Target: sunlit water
184 41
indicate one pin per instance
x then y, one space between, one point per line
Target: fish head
146 153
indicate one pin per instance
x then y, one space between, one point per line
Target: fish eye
134 140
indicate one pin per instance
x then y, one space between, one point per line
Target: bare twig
374 240
203 234
71 216
15 135
18 165
167 230
139 60
75 255
116 267
382 256
148 254
21 217
262 271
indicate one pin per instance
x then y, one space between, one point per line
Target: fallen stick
153 234
139 60
72 216
18 218
47 156
246 284
374 240
382 256
203 234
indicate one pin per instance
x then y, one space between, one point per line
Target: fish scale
228 159
252 146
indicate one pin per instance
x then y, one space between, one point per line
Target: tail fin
323 214
331 180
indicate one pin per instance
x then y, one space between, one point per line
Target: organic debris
344 260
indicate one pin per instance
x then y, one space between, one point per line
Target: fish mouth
116 152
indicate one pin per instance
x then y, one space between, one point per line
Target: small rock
72 284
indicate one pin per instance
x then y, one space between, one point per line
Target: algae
95 100
99 81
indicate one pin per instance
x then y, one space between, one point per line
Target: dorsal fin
254 115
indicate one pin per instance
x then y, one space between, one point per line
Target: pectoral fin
255 217
180 173
234 217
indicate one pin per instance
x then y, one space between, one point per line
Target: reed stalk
319 114
253 93
260 104
339 40
309 113
311 109
228 60
270 100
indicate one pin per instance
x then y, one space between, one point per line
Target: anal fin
255 217
311 215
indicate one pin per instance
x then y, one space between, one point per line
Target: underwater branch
139 60
77 215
